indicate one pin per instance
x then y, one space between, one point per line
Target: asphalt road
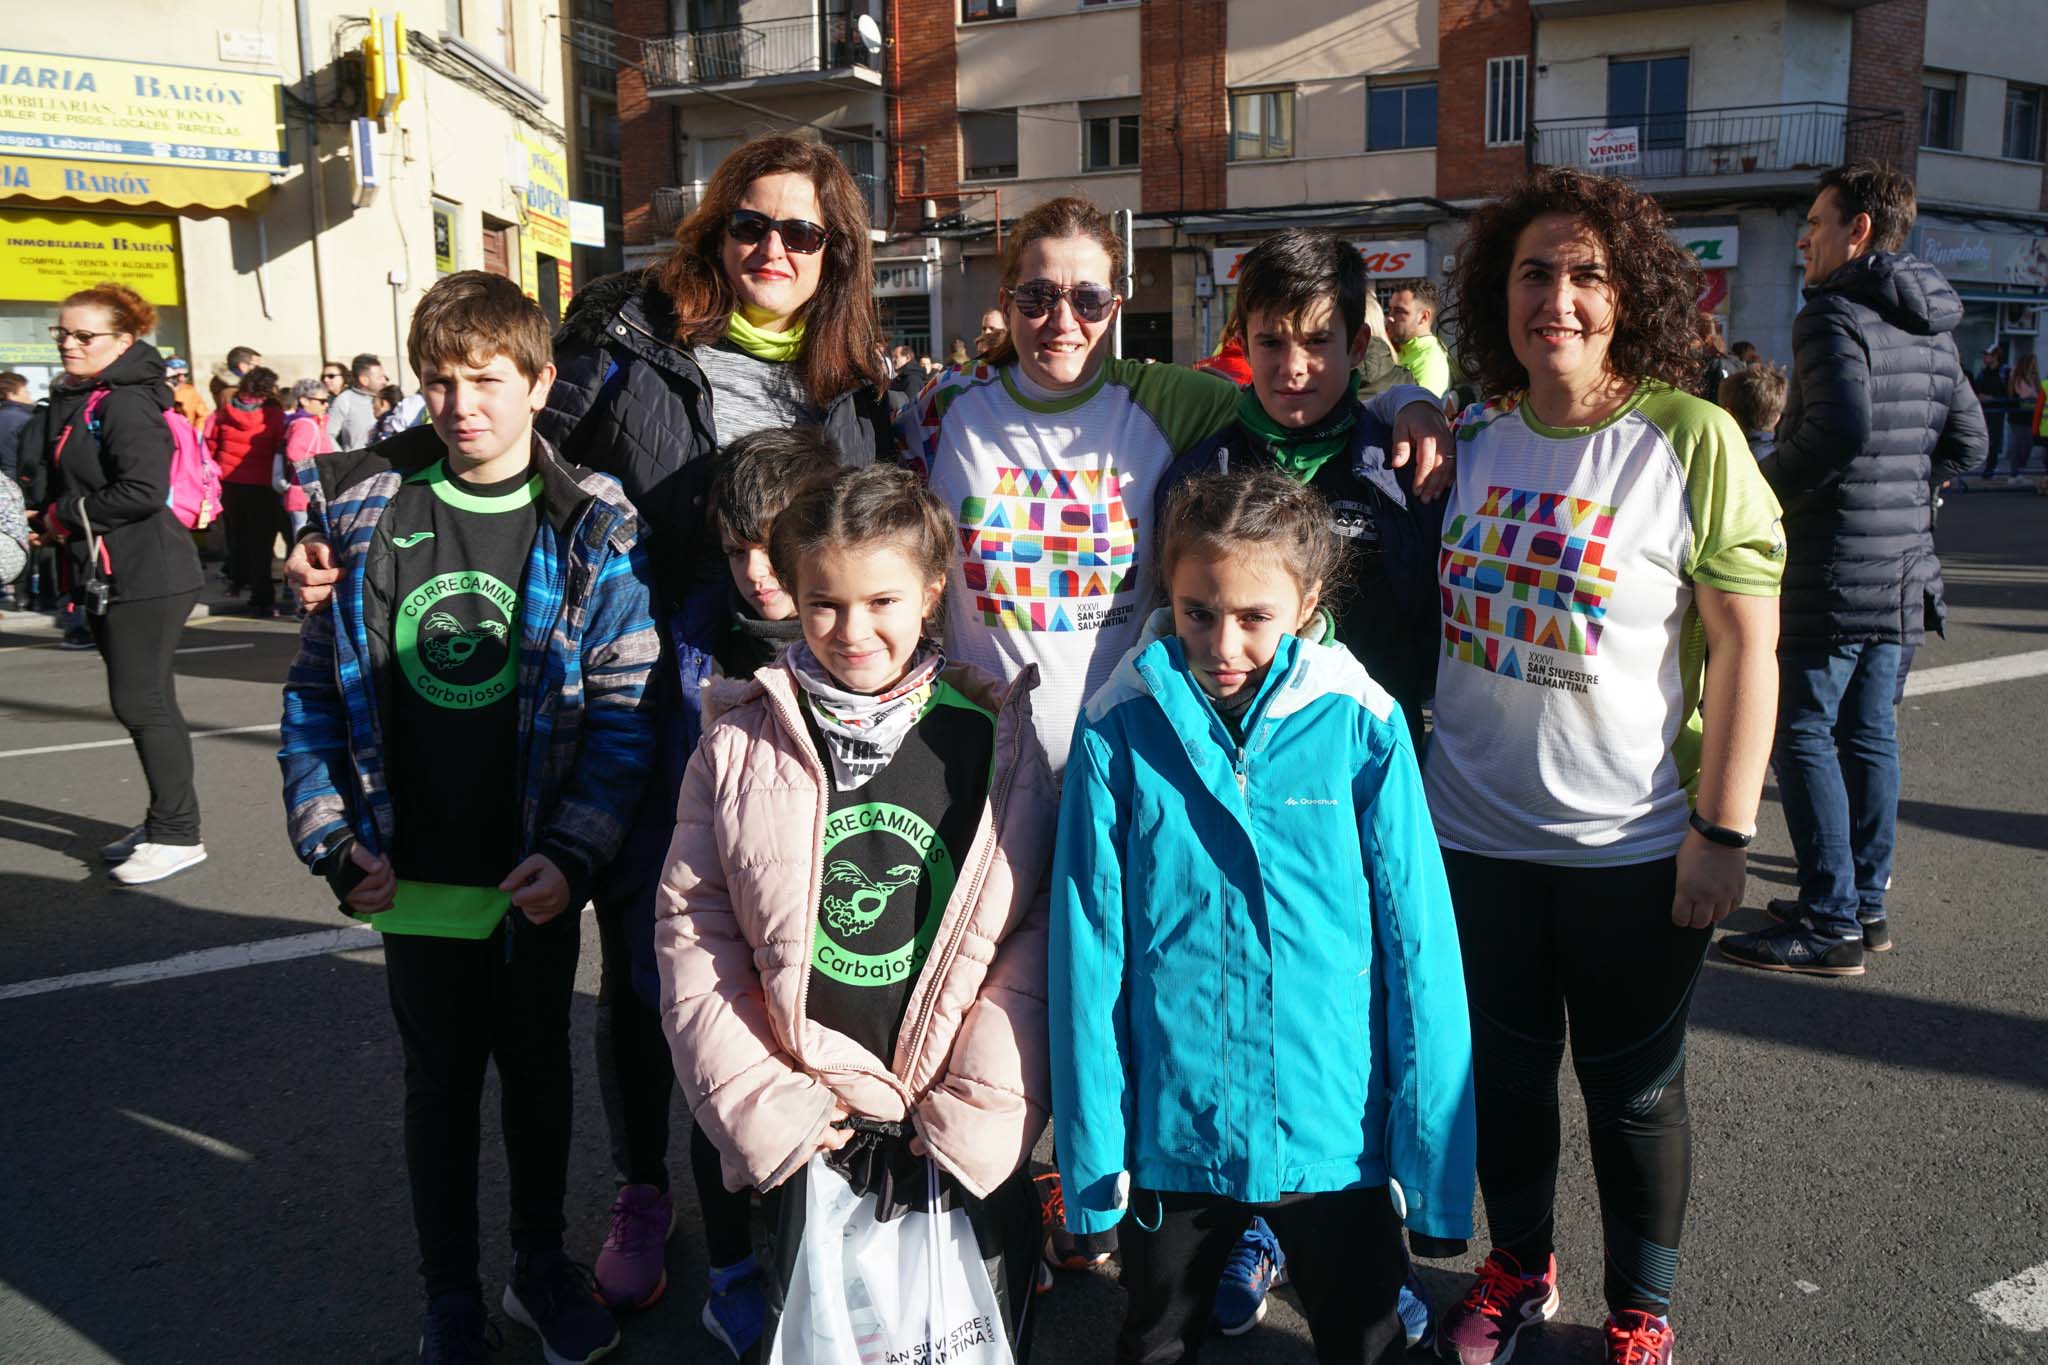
209 1167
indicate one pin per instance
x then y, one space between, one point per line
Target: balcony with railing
807 52
1750 146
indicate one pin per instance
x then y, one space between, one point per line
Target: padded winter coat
735 920
1878 406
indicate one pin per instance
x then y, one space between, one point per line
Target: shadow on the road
2018 828
75 836
46 712
1841 1020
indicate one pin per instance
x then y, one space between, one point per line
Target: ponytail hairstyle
842 331
1254 512
870 506
129 311
1069 216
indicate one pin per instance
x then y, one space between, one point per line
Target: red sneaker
1635 1338
1482 1329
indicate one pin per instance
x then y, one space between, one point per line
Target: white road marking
124 743
212 649
2021 1301
200 1140
200 962
1922 681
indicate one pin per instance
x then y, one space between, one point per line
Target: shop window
2023 122
1109 135
1507 87
988 144
1938 122
1261 125
1400 115
972 10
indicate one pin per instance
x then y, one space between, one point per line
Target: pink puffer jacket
733 932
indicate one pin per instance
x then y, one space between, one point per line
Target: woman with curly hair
1604 706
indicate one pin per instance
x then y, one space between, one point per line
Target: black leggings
254 519
1344 1258
1596 945
138 642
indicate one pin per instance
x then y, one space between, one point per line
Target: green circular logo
455 640
854 896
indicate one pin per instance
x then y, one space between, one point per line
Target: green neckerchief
762 344
1301 451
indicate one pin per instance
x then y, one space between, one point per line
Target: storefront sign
44 257
102 182
586 223
89 109
1714 293
547 198
1398 260
1715 248
1989 257
1614 147
903 278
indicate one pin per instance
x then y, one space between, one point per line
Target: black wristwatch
1720 834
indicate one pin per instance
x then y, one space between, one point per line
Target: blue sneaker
736 1308
1416 1318
1256 1265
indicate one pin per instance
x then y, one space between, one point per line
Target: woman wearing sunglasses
106 449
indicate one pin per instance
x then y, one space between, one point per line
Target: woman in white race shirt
1604 707
1047 453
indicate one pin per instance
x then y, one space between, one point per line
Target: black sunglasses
1090 302
334 374
82 337
749 228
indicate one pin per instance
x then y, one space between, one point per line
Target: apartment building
291 183
1217 122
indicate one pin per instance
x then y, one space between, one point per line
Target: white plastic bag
911 1291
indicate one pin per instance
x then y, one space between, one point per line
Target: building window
1507 92
1109 135
988 144
1400 116
1938 110
971 10
1650 93
2023 122
1262 125
505 47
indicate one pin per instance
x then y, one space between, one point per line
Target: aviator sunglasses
1090 302
748 228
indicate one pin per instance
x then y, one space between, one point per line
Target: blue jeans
1838 774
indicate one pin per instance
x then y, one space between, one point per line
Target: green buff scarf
777 347
1301 451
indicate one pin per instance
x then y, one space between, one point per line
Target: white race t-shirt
1567 696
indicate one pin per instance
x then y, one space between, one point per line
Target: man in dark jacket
15 410
1879 405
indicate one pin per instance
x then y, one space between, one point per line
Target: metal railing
1767 138
772 47
671 204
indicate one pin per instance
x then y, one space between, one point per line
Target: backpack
195 497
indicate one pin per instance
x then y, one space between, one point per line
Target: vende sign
1405 260
1614 147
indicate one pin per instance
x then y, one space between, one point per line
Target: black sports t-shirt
460 552
893 853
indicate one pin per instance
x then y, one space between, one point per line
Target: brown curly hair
1656 282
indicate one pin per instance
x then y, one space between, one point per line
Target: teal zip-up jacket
1255 986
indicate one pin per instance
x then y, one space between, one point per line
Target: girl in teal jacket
1256 1000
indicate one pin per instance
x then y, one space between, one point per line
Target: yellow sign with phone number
45 256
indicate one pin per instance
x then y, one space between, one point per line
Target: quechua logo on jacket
877 856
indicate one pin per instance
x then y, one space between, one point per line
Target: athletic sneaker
632 1268
1482 1329
1063 1250
1256 1265
119 850
736 1309
553 1296
1795 947
454 1331
154 862
1416 1316
1877 933
78 637
1636 1338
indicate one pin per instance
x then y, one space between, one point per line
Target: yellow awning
119 182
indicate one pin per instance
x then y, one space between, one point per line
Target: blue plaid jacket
587 645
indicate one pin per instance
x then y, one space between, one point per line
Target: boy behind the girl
463 741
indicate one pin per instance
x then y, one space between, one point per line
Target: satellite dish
870 33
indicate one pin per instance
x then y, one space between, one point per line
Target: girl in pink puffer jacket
851 929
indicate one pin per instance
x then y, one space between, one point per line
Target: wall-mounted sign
257 49
45 256
586 223
1989 257
1715 248
1397 260
444 238
1614 147
904 277
89 109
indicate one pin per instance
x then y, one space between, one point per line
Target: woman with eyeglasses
107 450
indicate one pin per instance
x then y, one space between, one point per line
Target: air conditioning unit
2021 318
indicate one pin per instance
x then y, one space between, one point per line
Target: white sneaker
154 862
121 848
2019 481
